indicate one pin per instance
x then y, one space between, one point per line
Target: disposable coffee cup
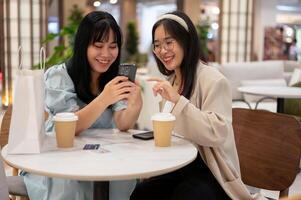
163 124
65 124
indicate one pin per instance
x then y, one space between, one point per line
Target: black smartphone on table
144 136
128 70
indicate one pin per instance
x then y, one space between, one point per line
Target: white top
120 157
273 91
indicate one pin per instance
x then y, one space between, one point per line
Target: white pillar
264 15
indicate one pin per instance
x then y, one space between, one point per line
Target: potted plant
63 52
132 54
202 30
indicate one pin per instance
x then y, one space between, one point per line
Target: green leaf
132 39
50 37
61 52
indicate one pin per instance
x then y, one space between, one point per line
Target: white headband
175 18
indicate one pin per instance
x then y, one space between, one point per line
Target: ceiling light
215 10
289 31
96 3
214 26
287 8
113 1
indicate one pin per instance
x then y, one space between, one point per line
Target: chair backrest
4 132
269 148
5 124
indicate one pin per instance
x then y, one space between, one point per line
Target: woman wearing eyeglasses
203 109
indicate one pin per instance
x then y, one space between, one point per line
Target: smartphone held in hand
128 70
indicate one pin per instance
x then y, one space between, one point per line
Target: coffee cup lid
163 117
65 116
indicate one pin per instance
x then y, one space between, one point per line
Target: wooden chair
293 197
4 131
3 185
15 183
269 148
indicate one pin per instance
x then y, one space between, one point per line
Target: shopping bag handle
42 58
20 56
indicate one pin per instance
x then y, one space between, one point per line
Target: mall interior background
235 30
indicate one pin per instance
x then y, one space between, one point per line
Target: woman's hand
165 89
126 119
117 89
135 98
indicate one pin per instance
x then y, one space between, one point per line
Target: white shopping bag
27 130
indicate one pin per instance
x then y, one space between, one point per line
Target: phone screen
128 70
144 136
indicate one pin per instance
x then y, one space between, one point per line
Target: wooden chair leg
18 198
15 171
284 193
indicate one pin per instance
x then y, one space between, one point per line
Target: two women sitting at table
89 86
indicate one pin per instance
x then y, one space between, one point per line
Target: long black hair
93 28
190 43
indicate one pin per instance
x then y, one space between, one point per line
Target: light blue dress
61 97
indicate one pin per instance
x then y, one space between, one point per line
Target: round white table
274 92
120 157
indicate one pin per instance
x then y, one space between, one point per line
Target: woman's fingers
125 84
158 88
154 92
155 79
118 79
125 90
137 82
124 96
160 91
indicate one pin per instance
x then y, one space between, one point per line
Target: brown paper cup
65 124
163 124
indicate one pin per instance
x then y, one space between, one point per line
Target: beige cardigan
206 120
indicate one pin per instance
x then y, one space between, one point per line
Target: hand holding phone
128 70
144 136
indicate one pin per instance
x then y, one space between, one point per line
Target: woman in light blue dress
88 85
